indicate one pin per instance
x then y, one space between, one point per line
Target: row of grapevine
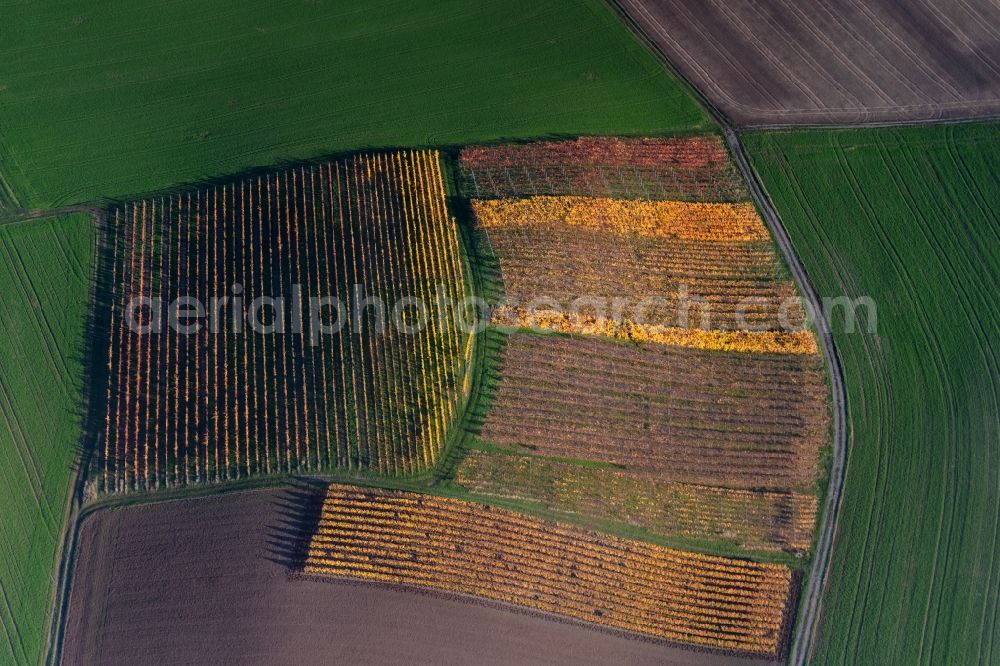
585 323
670 264
685 375
261 388
676 220
410 539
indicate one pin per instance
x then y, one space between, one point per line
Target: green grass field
45 270
909 217
108 101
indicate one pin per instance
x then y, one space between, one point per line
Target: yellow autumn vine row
672 219
777 342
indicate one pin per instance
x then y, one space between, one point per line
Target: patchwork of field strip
756 520
629 168
292 391
673 269
684 394
468 548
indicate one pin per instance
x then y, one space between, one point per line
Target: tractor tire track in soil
845 61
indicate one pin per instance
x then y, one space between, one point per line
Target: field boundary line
805 626
74 500
811 601
873 124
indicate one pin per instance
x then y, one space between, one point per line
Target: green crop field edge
909 218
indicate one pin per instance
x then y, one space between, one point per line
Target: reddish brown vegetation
650 168
691 153
714 418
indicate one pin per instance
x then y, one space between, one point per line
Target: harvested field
669 263
674 414
685 169
844 61
262 386
751 519
199 580
469 548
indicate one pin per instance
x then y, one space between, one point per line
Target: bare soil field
208 581
766 62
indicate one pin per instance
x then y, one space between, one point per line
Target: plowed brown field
204 581
842 61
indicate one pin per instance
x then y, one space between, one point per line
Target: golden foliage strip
774 342
755 520
412 539
671 219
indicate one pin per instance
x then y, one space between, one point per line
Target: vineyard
682 349
296 385
684 395
643 168
734 420
755 520
699 435
673 265
467 548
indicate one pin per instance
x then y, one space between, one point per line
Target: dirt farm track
207 580
773 62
